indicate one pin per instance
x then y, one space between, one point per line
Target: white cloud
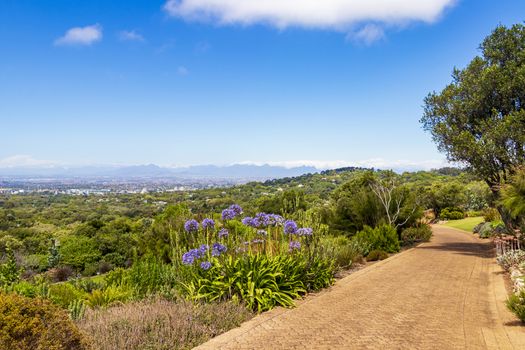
334 14
81 35
130 35
369 34
22 160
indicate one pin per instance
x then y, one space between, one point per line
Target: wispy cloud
130 35
23 160
334 14
81 36
368 34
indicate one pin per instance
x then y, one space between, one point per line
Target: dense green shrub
260 281
491 214
486 230
474 213
499 228
24 288
516 304
343 251
413 235
478 227
63 294
452 213
101 298
36 324
383 237
375 255
148 276
9 271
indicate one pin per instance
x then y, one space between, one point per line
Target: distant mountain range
236 171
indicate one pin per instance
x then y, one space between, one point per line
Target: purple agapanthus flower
228 214
247 221
189 257
205 265
255 222
294 245
203 249
223 233
208 223
263 219
290 227
236 209
218 249
305 231
191 226
275 220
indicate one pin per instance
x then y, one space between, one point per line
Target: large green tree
479 119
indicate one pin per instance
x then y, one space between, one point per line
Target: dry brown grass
160 324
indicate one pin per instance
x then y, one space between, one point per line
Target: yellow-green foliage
108 297
36 324
64 294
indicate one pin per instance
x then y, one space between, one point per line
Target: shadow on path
482 249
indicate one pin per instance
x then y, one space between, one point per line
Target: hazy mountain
236 171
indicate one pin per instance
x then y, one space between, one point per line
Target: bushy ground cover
37 324
160 324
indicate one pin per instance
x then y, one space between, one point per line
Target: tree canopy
479 119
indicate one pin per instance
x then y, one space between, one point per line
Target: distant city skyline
177 83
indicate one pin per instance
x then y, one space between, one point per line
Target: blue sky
184 82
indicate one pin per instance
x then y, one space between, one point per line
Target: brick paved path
445 294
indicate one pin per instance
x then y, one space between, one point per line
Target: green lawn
466 224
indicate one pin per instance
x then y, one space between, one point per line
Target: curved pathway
445 294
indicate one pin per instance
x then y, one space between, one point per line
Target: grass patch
466 224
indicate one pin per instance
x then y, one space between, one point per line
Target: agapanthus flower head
255 222
223 233
294 245
203 249
189 257
263 219
191 226
236 209
290 227
247 221
228 214
205 265
218 249
208 223
305 231
275 220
